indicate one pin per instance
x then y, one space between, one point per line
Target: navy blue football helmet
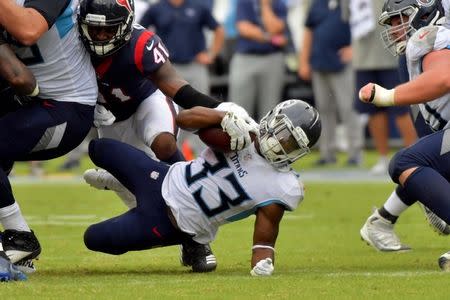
115 16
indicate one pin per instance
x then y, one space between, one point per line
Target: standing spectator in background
257 68
326 60
373 63
180 25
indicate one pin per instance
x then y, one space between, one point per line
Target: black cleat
198 256
20 246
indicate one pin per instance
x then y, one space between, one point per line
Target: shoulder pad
421 43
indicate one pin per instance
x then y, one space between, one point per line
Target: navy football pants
144 227
42 130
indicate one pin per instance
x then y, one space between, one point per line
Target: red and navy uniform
122 76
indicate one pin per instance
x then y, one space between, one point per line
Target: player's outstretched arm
264 237
433 83
199 117
175 87
16 73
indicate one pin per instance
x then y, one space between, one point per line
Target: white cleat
103 180
379 233
444 262
438 225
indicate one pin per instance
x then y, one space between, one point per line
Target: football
217 139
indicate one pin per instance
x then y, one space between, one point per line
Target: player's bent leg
423 170
164 146
103 180
106 153
132 231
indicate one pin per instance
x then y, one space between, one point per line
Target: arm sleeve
209 19
309 22
244 11
50 10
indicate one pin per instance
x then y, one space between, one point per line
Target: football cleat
444 261
8 272
20 246
103 180
379 233
26 266
438 225
198 256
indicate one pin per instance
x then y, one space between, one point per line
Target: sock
11 218
177 156
387 215
394 205
431 189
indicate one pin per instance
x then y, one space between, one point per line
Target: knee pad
399 163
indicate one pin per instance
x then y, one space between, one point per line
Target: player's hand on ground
238 130
377 95
264 267
102 116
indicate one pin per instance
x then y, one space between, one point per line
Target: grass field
319 253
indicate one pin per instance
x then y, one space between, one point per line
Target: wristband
263 247
35 91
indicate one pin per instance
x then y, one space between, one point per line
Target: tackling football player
19 83
137 83
188 201
44 35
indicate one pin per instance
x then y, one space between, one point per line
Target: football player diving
421 171
137 83
190 200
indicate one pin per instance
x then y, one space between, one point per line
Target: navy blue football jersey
122 76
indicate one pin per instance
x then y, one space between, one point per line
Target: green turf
319 253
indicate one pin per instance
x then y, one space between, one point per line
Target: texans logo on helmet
125 4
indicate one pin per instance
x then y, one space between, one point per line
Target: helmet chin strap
400 47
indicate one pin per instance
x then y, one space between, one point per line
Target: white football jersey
60 62
437 112
218 188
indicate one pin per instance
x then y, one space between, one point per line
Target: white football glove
264 267
102 116
241 112
238 129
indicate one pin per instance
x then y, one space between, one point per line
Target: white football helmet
288 132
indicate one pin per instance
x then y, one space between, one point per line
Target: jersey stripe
139 50
102 68
65 22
